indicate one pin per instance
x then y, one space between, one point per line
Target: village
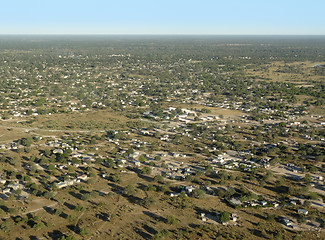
113 143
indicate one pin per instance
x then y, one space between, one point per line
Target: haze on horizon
208 17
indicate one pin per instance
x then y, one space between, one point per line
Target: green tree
307 178
224 217
146 170
130 190
147 202
171 220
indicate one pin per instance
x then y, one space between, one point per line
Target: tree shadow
142 186
277 189
76 195
257 233
259 216
103 216
199 210
142 234
73 228
144 177
48 209
56 234
155 216
115 188
149 229
4 208
70 206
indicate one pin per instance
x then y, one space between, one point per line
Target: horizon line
152 34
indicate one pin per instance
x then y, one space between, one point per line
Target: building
302 211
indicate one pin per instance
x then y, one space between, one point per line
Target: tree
51 167
171 220
142 159
5 225
307 178
146 170
84 231
157 158
224 217
86 197
130 190
57 211
147 202
47 152
159 179
48 195
198 193
79 208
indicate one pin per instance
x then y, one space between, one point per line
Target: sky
212 17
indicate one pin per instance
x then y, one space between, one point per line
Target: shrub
171 220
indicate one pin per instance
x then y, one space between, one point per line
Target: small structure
174 194
83 177
303 211
203 217
234 217
235 202
287 222
137 163
6 190
263 203
61 185
15 186
58 151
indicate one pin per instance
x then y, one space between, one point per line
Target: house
58 151
189 189
61 185
293 202
276 205
263 203
134 155
137 163
234 217
235 202
203 217
15 186
174 194
287 222
70 182
302 211
83 177
6 190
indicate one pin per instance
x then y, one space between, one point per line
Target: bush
146 170
79 208
147 202
57 212
158 178
171 220
198 193
224 217
130 190
86 197
84 231
5 225
163 233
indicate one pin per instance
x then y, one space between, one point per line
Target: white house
303 211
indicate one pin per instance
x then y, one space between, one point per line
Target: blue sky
162 17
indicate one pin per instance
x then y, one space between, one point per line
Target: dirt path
34 210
